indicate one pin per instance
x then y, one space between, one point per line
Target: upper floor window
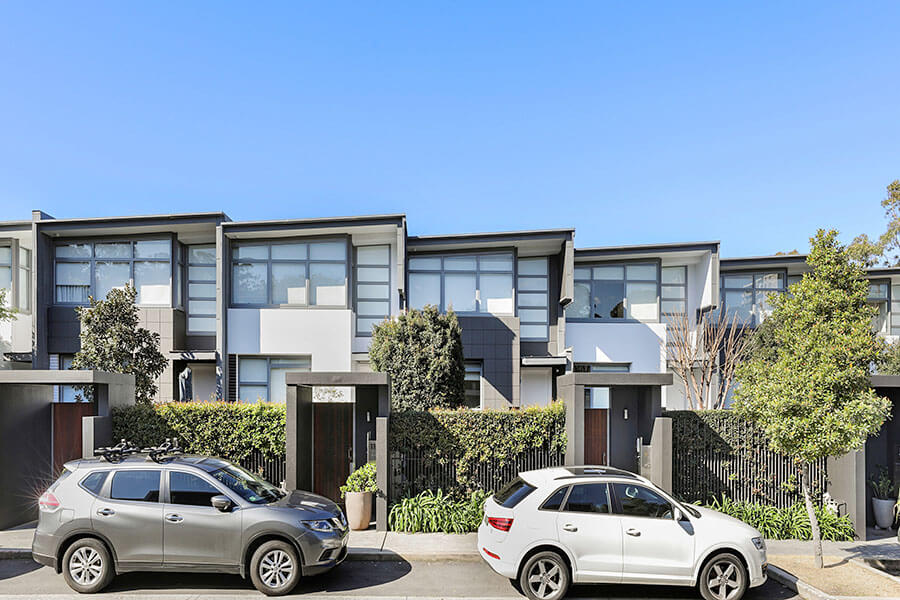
745 295
372 299
201 289
673 292
895 310
616 291
15 276
533 299
6 272
290 273
467 283
879 298
94 268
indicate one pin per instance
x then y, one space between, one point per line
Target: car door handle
174 518
106 512
633 532
569 527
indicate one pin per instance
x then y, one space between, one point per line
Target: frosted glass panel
538 299
202 255
202 290
364 325
646 272
327 284
289 251
118 250
252 394
202 324
495 263
641 301
496 294
424 288
373 255
534 332
249 283
151 279
381 291
425 264
253 370
459 292
288 283
153 249
73 251
202 273
459 263
202 307
376 274
673 275
536 315
108 276
532 266
614 273
372 308
257 252
528 284
328 251
580 308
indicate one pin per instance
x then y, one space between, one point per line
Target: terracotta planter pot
359 509
884 512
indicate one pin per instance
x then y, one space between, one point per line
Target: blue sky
633 122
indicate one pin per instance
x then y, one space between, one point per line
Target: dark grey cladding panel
64 329
200 342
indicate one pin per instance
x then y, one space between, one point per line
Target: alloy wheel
86 565
723 580
545 578
276 568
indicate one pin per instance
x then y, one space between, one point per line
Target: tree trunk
813 522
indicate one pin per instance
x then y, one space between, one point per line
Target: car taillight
500 524
48 502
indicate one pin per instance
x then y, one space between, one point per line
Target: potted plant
357 494
883 499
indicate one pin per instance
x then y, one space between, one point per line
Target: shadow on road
14 568
769 591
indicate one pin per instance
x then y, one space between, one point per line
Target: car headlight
320 525
759 543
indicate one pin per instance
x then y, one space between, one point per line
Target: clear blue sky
634 122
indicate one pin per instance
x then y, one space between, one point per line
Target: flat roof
712 245
397 217
128 218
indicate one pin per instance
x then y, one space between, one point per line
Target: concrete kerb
797 586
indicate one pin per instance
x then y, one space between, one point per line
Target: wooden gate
67 430
595 436
332 447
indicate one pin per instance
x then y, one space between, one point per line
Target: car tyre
275 568
87 566
545 576
723 578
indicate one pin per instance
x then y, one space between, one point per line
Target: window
616 291
513 492
533 299
879 298
746 295
596 397
141 486
895 310
15 276
555 500
673 292
472 385
293 273
373 287
466 283
262 379
588 498
94 268
201 289
6 273
638 501
68 393
190 490
94 482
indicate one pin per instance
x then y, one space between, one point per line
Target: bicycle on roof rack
120 451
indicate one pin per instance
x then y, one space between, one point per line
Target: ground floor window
597 397
64 393
262 378
472 385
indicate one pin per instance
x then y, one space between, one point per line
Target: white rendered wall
536 386
641 344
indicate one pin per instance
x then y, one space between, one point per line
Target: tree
112 341
890 364
6 314
697 353
886 249
811 394
422 352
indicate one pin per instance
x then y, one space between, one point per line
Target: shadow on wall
493 341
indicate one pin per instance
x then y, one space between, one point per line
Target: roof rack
168 448
118 452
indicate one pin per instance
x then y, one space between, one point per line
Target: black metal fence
272 470
716 454
414 471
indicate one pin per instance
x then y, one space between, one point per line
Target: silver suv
145 512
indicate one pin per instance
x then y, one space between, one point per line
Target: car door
657 549
129 515
588 527
194 532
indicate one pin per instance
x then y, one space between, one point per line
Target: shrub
791 523
422 352
223 429
361 480
436 512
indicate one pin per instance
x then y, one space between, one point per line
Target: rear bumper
497 563
43 559
44 548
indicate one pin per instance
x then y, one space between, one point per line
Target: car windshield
250 487
686 506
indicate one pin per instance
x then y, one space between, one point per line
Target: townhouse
239 305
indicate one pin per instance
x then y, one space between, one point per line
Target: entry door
332 447
595 436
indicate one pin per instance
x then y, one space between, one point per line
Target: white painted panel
536 386
641 344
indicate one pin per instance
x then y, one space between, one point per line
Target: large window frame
669 290
303 364
363 290
18 294
199 296
757 292
442 272
593 284
527 300
307 262
130 261
876 298
474 371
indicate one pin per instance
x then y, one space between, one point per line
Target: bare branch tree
702 353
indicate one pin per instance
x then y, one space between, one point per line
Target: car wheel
275 568
545 576
723 578
87 566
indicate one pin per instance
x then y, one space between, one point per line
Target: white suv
552 527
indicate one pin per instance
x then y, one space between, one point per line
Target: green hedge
230 430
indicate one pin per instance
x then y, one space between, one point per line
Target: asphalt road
462 579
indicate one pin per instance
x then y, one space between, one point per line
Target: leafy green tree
6 314
422 352
890 364
112 341
811 392
885 249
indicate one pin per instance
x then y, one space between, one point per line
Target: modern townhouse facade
242 304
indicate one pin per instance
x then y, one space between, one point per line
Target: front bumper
323 552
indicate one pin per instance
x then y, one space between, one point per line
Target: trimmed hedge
231 430
470 437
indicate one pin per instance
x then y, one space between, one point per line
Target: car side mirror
677 514
222 503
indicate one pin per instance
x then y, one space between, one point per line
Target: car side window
555 500
190 490
588 498
141 486
638 501
94 482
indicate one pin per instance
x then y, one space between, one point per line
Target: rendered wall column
382 476
96 432
298 438
847 485
661 453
